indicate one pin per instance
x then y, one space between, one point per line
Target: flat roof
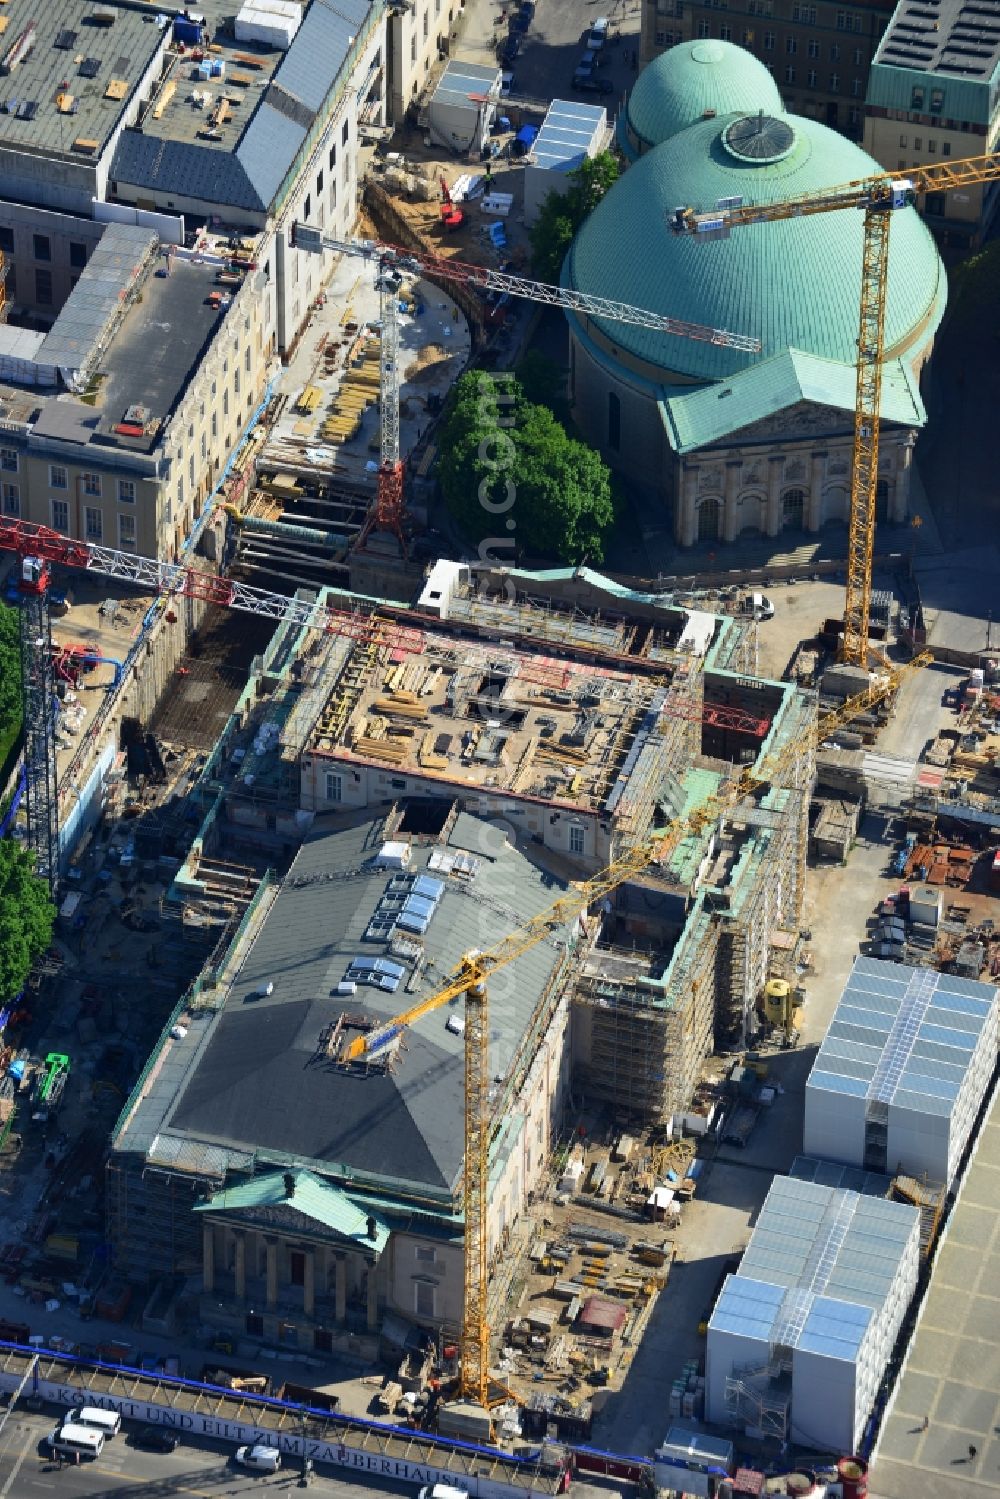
79 68
118 262
952 1372
257 1075
569 133
235 147
820 1261
462 82
903 1036
956 37
156 350
449 706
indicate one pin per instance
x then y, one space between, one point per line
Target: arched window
882 500
793 504
708 520
614 421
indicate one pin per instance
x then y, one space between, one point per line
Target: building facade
738 443
934 94
819 55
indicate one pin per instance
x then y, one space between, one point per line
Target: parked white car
259 1458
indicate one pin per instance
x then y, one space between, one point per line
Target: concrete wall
67 243
330 784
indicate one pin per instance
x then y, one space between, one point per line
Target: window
614 421
77 255
811 78
126 530
857 57
191 470
424 1299
946 148
307 208
11 499
8 460
413 49
334 787
835 53
814 49
842 20
931 146
345 134
60 515
43 288
917 99
58 478
319 182
333 157
204 447
725 33
126 491
768 41
215 426
246 359
834 82
6 239
937 101
42 247
854 116
902 142
93 524
789 75
225 404
576 838
747 38
704 29
424 1256
857 88
236 382
92 485
791 46
918 143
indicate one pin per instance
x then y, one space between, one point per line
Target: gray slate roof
259 1081
251 176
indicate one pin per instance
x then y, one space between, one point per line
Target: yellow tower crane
475 968
877 197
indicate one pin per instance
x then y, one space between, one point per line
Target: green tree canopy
510 471
562 213
10 680
26 917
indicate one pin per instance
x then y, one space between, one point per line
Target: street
196 1467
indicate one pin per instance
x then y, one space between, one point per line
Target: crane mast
877 196
391 264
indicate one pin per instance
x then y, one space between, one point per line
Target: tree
543 382
511 473
27 916
562 213
10 680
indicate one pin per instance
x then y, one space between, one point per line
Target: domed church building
742 443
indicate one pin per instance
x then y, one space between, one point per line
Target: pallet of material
382 749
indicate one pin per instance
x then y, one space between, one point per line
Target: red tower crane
39 549
393 263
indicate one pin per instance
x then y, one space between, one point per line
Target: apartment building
819 55
934 95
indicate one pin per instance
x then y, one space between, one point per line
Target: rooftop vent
393 856
102 15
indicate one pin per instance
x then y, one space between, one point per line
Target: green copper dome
693 79
793 283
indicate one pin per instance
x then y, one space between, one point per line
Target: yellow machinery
471 977
877 197
782 1006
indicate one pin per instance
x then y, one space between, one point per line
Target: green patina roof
703 416
794 283
313 1198
685 83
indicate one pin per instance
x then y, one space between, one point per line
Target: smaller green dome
690 81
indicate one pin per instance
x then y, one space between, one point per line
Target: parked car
156 1439
588 84
259 1458
598 34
